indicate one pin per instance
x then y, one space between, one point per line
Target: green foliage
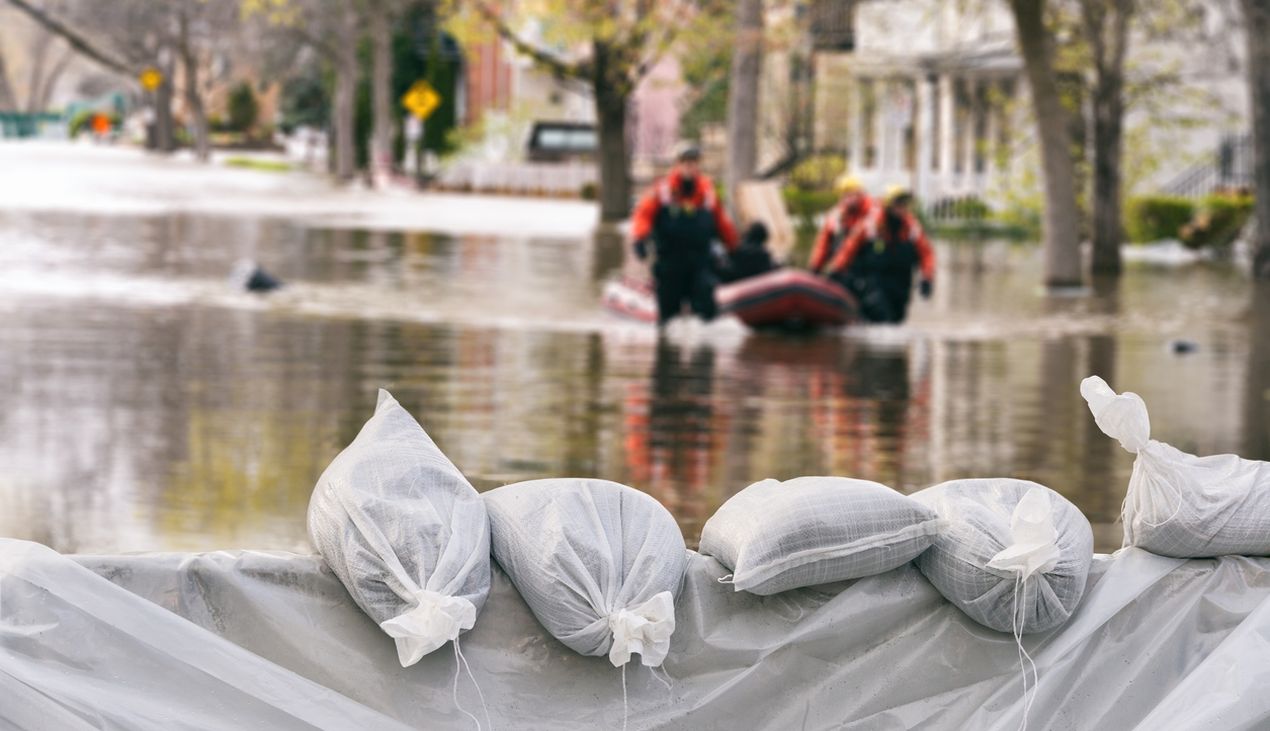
1219 220
970 208
817 173
805 205
82 121
242 108
1155 217
705 61
251 163
589 192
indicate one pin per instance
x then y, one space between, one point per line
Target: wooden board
761 201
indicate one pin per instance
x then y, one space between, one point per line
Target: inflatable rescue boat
783 298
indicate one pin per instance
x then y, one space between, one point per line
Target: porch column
855 126
947 110
924 131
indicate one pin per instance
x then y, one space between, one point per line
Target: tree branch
557 65
670 31
76 41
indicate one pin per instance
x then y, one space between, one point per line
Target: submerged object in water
252 277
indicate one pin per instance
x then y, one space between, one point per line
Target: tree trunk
381 89
345 110
743 91
1257 378
1062 241
38 58
1108 137
612 92
164 127
1107 30
7 100
1257 22
193 97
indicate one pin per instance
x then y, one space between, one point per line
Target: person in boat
854 206
680 217
876 261
751 258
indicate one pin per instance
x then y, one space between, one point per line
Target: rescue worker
681 216
877 260
853 207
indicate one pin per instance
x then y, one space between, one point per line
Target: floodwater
147 405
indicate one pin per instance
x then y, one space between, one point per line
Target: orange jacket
873 227
839 222
666 191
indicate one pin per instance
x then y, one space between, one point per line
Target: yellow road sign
150 79
421 100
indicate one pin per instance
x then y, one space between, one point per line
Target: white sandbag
598 563
1014 555
775 536
1178 504
404 531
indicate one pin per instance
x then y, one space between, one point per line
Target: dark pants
883 295
678 282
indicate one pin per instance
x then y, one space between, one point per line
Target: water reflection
170 413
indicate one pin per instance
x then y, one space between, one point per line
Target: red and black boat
791 299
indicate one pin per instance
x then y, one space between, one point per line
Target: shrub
242 108
970 208
1156 217
805 205
82 121
589 191
1218 222
817 172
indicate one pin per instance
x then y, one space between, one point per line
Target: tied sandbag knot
1035 539
433 621
645 629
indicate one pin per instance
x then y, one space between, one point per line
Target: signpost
421 100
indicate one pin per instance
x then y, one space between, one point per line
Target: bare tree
1257 36
381 15
186 48
743 96
77 40
332 29
8 102
1106 27
1061 230
345 93
617 42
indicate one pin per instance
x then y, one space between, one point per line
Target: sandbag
598 563
1014 555
1178 504
775 536
404 531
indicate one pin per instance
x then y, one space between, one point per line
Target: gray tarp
273 641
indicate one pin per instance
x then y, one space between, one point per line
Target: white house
933 96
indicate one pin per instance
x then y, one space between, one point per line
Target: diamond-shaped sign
150 79
421 100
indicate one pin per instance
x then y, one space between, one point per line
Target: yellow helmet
847 183
894 192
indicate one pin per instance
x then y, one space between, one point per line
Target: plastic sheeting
273 641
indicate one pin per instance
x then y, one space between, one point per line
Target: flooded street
147 405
